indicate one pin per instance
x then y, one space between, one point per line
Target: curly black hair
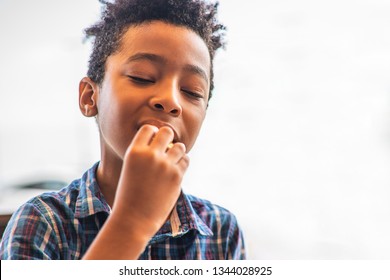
117 16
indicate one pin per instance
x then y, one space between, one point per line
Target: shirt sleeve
236 246
29 236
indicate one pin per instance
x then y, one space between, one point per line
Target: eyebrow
196 70
161 60
146 56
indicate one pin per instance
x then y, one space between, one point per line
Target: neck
108 174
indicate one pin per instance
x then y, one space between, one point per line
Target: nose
166 101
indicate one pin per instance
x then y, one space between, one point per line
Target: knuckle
181 147
134 152
164 166
166 130
176 176
186 160
149 127
153 157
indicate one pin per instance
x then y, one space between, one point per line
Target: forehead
175 43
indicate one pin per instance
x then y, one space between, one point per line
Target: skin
154 92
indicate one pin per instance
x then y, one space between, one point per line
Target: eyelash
193 94
140 80
143 81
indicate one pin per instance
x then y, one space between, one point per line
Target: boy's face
161 76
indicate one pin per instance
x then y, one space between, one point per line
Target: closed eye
140 80
192 94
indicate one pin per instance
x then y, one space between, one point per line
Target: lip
159 124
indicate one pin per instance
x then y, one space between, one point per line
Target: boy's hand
149 185
148 189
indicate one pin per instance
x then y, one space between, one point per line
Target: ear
88 95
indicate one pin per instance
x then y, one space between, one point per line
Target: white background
296 141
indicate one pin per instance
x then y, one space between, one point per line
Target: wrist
134 226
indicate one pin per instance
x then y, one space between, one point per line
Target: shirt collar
189 221
90 199
189 217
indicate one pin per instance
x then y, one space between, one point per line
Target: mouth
160 124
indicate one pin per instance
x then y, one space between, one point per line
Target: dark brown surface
3 223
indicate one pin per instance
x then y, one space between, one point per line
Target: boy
149 81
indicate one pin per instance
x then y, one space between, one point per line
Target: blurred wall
296 141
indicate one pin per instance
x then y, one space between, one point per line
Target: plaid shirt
62 225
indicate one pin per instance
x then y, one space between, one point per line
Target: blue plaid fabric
62 225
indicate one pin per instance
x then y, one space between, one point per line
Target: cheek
111 114
113 102
107 124
194 123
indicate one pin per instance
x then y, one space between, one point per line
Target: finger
144 135
184 162
162 139
176 152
